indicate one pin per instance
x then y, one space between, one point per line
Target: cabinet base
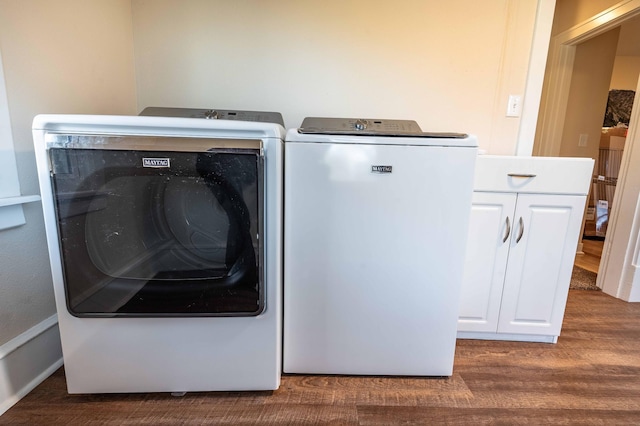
506 336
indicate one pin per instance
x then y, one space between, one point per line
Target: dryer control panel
215 114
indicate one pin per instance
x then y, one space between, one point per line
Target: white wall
67 56
448 65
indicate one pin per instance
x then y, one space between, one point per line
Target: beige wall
598 67
569 14
588 94
448 65
626 68
626 71
572 12
67 56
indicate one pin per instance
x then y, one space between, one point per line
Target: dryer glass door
154 226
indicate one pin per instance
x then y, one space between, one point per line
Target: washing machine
164 236
376 217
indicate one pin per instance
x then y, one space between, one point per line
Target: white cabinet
486 261
521 247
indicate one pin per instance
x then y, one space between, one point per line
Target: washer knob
211 114
360 124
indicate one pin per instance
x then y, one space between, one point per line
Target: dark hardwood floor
591 376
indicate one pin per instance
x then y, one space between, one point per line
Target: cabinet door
490 228
543 247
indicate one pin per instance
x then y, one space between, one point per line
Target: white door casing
619 273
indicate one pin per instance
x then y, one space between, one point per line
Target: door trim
619 267
562 52
551 125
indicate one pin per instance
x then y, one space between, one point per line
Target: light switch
515 106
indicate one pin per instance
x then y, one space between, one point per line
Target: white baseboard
507 336
27 360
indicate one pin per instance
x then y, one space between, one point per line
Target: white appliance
376 218
164 235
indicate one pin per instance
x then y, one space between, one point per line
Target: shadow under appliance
166 265
376 218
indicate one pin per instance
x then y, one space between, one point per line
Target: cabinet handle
521 175
504 240
521 223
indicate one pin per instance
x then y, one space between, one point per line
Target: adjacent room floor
591 376
589 259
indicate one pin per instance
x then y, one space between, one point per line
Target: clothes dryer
376 217
164 236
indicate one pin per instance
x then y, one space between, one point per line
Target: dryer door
159 226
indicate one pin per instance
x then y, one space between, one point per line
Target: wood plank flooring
591 376
590 258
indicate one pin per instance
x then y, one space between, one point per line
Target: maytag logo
155 162
381 169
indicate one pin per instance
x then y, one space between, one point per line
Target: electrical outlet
514 106
584 138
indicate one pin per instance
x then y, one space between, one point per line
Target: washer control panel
369 127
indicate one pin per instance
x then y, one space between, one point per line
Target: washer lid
369 127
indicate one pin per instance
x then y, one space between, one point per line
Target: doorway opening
560 135
611 147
